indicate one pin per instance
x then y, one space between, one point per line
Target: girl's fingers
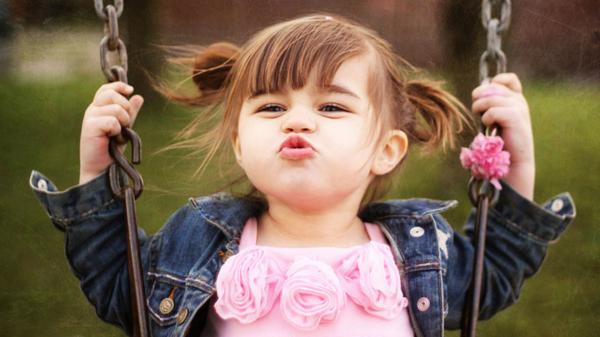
490 89
497 115
502 116
108 101
103 125
120 87
481 105
510 80
113 110
136 103
107 97
505 84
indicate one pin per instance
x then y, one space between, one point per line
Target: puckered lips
296 148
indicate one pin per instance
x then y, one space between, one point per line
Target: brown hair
285 54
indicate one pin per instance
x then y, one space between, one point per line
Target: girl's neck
334 226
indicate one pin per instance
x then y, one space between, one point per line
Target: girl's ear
391 151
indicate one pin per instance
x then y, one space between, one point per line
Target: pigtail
439 116
209 67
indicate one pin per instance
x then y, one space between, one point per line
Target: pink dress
314 291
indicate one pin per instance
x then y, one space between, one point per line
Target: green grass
40 130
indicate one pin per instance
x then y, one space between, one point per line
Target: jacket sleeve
518 234
94 226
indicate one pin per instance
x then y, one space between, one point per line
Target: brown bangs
286 55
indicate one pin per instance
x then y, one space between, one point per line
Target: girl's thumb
136 103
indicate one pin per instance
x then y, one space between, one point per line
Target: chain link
112 29
113 54
493 55
100 8
495 27
505 10
481 192
113 61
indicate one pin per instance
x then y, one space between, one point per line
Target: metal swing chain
113 61
481 192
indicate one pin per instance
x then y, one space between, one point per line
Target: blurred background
49 72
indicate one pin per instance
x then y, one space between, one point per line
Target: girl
319 116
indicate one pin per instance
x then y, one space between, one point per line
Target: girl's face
330 153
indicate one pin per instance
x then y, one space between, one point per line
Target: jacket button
417 232
224 255
182 316
166 306
423 304
557 205
42 185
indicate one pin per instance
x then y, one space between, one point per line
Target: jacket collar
230 213
414 207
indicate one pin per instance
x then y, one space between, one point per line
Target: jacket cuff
74 203
543 222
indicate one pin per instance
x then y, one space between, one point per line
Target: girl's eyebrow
256 94
338 89
329 88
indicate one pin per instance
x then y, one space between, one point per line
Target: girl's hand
501 102
105 116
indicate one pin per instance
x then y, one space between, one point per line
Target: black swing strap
113 61
481 192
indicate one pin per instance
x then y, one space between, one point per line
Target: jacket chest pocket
165 302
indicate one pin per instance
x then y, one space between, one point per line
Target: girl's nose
299 120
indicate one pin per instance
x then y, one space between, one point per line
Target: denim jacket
182 259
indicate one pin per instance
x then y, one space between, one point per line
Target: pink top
313 291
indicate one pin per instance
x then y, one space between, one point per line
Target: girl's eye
332 108
278 108
271 108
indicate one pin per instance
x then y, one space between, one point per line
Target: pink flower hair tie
486 159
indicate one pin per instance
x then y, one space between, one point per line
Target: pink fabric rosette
247 285
372 281
311 293
486 159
